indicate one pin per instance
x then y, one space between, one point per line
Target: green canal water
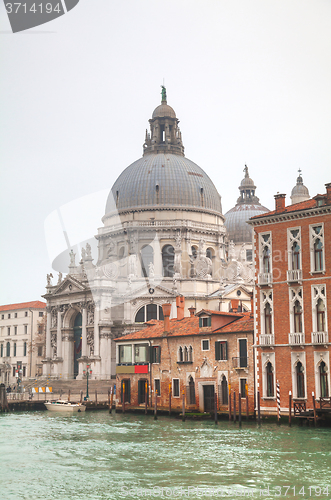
94 456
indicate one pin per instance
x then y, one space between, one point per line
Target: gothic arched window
267 319
148 312
300 380
297 317
318 255
270 380
324 380
296 256
180 354
168 259
224 391
320 314
266 260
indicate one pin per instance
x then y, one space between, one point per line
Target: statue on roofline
163 93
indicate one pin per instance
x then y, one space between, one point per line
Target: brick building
209 352
292 247
22 340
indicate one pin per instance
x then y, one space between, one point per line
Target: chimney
180 303
192 311
280 202
166 314
328 193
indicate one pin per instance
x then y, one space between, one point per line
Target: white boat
62 405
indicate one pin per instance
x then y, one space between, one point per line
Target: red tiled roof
221 313
36 304
188 326
244 324
303 205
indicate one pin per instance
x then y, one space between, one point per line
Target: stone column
96 330
48 333
59 335
84 335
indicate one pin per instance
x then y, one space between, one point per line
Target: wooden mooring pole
96 397
215 409
258 408
155 406
123 397
230 416
169 398
183 407
81 397
234 407
247 407
278 402
69 395
239 408
314 406
146 396
290 408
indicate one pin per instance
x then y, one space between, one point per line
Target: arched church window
168 258
194 251
324 380
209 253
121 253
148 312
147 258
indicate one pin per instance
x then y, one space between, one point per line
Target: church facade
163 235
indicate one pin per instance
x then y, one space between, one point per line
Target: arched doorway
77 342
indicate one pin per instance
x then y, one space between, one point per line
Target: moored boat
62 405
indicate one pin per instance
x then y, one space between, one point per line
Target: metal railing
241 362
319 337
267 339
296 338
294 275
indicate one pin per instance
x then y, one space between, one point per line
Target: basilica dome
247 206
300 191
163 179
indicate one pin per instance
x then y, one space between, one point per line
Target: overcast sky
249 81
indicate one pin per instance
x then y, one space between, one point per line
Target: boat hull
65 407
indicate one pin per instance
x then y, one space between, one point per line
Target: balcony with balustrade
266 340
265 279
294 275
296 338
318 338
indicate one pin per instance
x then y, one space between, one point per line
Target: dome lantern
165 135
300 191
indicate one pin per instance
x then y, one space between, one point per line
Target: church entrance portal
77 342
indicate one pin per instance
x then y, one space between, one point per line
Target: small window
2 316
125 353
8 350
15 315
1 351
25 349
8 316
26 313
141 353
25 329
156 354
205 345
40 350
249 255
15 330
14 371
41 314
175 387
203 322
14 349
24 371
8 330
221 350
243 382
157 386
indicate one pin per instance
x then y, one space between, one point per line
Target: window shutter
209 321
225 350
159 354
217 350
200 322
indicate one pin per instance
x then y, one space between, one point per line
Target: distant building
200 356
292 308
22 340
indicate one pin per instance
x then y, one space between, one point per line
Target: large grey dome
236 221
163 181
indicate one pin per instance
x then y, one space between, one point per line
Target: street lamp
86 373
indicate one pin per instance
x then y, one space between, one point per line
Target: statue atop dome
164 94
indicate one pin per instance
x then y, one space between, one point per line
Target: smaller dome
300 191
163 111
247 181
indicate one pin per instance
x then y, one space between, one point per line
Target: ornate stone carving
49 282
90 314
110 270
54 317
133 265
90 340
53 341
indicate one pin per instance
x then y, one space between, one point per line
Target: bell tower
165 135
